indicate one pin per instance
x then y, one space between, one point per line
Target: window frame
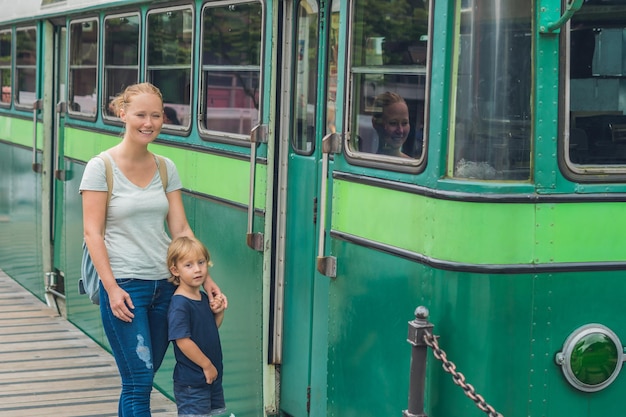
73 67
149 69
9 68
575 171
210 135
105 101
374 160
17 67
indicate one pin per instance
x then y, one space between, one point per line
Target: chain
457 377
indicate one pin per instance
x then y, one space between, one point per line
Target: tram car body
503 214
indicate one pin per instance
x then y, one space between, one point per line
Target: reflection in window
121 56
389 65
5 67
305 77
491 114
83 67
170 44
333 47
231 67
26 66
597 119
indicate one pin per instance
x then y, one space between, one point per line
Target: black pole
417 378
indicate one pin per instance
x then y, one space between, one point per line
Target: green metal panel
219 176
459 231
223 177
501 331
299 284
20 131
579 232
20 219
481 233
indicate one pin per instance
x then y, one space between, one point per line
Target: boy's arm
193 352
219 318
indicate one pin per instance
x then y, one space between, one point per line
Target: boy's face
192 270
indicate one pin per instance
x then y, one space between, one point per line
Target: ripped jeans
140 346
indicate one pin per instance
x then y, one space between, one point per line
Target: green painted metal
20 219
222 177
20 131
480 233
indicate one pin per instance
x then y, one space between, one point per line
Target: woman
391 122
128 244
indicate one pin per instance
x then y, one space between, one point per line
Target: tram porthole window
591 358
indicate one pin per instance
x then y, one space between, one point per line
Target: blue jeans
139 346
203 401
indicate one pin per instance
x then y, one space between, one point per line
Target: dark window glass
121 55
388 70
305 77
83 67
5 67
231 57
596 139
26 66
170 44
491 130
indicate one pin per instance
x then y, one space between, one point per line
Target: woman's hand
211 288
219 303
121 304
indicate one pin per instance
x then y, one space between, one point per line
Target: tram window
332 75
83 67
121 56
26 66
305 78
170 46
5 68
597 88
389 77
231 69
490 112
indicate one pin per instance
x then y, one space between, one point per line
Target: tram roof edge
16 11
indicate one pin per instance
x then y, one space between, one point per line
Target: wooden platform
50 368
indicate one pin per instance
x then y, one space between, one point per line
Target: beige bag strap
108 170
162 171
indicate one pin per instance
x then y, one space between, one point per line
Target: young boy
193 324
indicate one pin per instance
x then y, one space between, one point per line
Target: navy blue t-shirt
194 319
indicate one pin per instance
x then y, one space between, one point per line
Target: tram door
56 116
300 204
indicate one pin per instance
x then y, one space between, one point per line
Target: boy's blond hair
182 247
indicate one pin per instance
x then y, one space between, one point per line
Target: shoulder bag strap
108 170
162 171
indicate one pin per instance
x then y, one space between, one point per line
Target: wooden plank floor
50 368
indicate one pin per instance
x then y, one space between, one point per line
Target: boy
193 327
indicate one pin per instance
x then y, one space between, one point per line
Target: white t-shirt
135 234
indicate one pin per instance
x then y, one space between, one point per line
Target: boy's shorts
203 401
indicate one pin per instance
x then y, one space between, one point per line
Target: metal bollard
417 379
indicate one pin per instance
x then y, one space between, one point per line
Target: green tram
501 215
